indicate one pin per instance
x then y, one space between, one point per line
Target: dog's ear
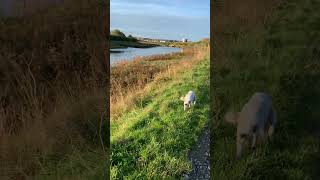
182 98
232 117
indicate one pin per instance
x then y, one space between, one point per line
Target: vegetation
119 40
274 50
53 93
117 33
150 132
114 44
132 76
176 44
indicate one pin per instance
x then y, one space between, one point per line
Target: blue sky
165 19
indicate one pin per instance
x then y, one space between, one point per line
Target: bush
117 33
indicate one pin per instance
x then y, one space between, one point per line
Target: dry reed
53 82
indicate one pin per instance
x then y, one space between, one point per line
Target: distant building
184 40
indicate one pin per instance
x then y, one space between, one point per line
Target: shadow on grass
294 151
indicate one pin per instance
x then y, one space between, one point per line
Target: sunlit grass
152 139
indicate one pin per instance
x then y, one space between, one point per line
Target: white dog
189 99
256 119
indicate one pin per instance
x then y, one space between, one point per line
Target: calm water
117 55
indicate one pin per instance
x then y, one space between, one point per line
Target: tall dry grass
232 20
236 16
54 78
129 78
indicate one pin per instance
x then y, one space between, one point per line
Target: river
117 55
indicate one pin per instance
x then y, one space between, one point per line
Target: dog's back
256 117
191 96
255 114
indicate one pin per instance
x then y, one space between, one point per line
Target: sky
164 19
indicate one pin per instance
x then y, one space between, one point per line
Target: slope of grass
281 59
153 138
129 77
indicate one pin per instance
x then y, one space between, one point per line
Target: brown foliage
230 16
51 64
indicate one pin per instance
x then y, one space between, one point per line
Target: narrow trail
200 158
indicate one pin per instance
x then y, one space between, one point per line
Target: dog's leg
263 136
194 102
239 147
272 120
254 140
254 136
270 131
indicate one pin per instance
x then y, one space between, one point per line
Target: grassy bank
128 78
135 44
183 44
119 40
152 137
142 44
53 92
280 57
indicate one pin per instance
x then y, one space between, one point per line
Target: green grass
152 139
282 60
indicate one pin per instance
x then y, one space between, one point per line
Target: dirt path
200 158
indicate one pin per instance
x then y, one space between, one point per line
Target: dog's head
186 104
232 117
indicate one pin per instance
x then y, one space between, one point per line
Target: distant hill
117 35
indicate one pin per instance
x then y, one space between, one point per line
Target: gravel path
200 158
